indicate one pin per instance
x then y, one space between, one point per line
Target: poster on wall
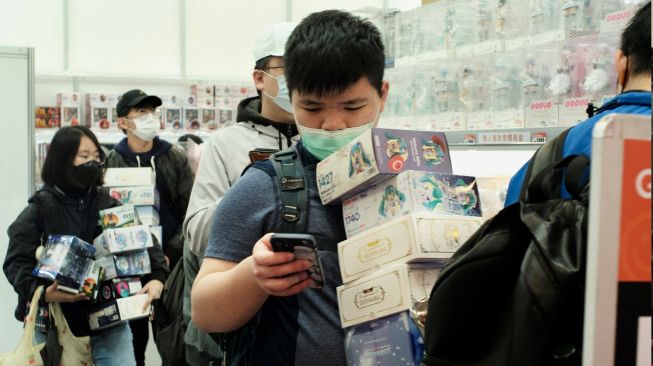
618 285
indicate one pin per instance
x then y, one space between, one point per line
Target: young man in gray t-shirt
334 65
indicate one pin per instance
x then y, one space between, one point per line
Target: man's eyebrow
309 101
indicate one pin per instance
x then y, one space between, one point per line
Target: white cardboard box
120 216
147 215
403 240
128 238
115 312
126 177
379 154
386 292
137 196
408 193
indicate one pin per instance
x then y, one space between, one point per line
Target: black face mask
85 176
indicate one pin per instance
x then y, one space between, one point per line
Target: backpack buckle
290 213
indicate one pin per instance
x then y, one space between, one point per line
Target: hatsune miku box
379 154
411 238
392 340
128 238
408 193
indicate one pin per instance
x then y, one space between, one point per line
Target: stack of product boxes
128 231
405 214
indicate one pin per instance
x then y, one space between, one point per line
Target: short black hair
189 136
330 51
636 41
59 162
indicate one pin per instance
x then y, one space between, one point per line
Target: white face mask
147 127
283 96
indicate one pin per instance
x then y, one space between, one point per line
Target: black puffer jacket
50 211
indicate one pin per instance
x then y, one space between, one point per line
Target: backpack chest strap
294 196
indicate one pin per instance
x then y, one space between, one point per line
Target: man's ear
621 67
122 123
385 88
257 76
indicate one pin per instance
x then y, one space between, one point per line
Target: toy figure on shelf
484 21
539 16
451 28
596 83
573 14
530 81
501 14
465 88
443 87
560 85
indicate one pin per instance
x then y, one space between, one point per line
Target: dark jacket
174 181
50 211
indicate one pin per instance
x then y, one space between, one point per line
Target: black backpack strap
294 194
546 156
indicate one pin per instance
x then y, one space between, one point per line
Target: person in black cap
140 121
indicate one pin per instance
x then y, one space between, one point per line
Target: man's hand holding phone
278 273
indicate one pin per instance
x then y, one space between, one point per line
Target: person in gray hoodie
264 122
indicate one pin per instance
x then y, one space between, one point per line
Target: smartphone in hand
304 247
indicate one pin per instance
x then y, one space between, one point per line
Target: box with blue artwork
411 238
132 264
379 154
411 192
137 196
128 238
389 291
393 340
67 260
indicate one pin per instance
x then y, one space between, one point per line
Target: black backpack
170 327
513 294
237 346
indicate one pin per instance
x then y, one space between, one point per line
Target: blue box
393 340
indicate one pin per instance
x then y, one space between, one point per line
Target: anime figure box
128 239
115 217
379 154
129 177
69 261
137 196
411 192
115 312
392 340
385 292
410 238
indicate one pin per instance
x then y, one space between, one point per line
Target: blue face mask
283 96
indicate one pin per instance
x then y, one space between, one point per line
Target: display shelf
463 138
45 135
